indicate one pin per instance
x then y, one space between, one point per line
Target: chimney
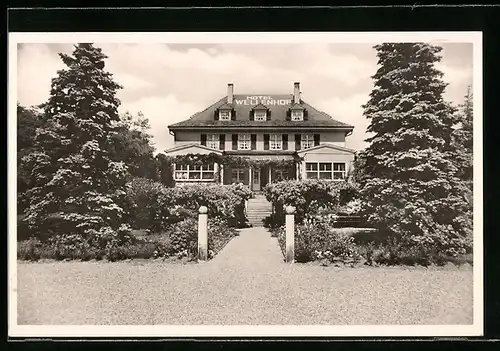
230 93
296 93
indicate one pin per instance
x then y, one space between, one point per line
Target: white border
476 329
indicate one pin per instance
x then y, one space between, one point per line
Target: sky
170 82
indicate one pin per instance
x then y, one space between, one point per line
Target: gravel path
247 283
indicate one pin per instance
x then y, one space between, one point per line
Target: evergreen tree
28 120
463 140
74 182
410 185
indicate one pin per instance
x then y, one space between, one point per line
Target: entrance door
256 179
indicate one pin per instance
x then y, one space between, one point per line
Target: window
185 172
325 170
307 141
237 175
259 115
213 141
181 172
338 170
311 170
244 142
297 115
276 141
224 115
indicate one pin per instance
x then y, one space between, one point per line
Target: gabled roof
226 106
295 106
242 107
330 146
193 146
260 106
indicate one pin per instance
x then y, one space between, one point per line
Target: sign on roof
253 100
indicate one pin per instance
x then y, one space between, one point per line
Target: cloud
161 112
36 66
350 111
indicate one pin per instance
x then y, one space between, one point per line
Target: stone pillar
290 234
203 234
221 173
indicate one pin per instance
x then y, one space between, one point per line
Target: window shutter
216 115
297 141
233 115
204 139
222 141
316 139
250 115
288 115
266 141
253 139
235 141
304 114
284 137
268 115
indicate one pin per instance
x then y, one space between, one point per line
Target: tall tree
132 144
73 178
411 186
463 139
28 120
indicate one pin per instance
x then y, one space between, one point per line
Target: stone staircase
258 208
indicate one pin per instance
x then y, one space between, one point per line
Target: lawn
233 292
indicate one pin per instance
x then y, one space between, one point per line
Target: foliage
398 252
463 140
183 237
307 196
315 241
164 170
410 185
226 202
219 234
231 161
131 143
29 250
142 205
72 177
165 163
28 120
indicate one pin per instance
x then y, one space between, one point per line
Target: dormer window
260 115
297 115
225 115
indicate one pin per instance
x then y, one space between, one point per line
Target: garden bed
321 245
180 242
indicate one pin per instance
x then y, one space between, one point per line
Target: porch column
250 175
269 174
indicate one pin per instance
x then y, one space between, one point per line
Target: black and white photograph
258 184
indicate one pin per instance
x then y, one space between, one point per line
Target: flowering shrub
226 202
314 241
307 196
183 239
154 206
